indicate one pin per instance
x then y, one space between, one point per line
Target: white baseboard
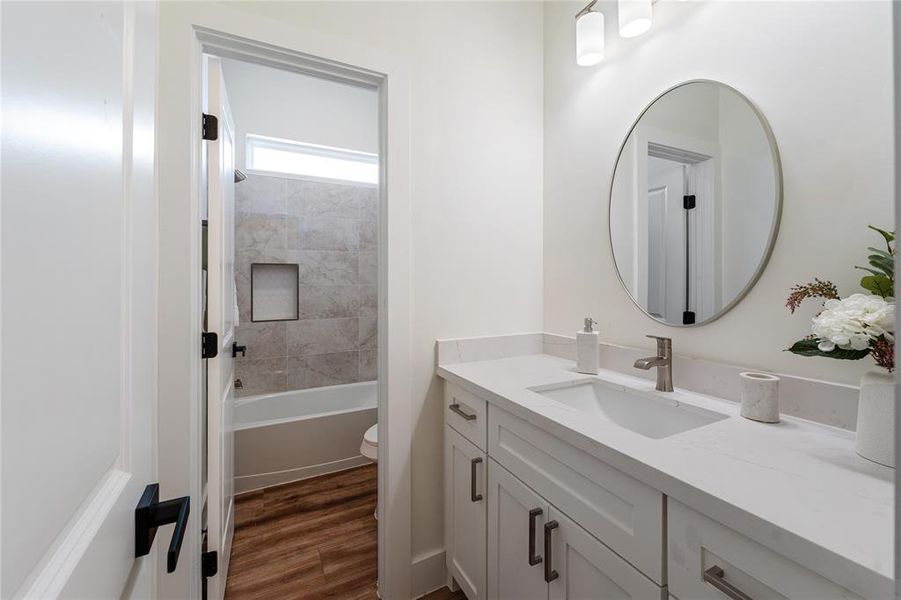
250 483
428 572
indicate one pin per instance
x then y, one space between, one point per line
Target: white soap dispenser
587 348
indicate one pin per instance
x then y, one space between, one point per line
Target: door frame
187 30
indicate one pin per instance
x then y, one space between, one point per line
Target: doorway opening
680 218
291 256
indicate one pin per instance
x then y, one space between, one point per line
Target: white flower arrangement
859 325
854 323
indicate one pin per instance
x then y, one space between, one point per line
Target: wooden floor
311 539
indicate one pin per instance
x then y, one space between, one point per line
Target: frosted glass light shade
589 39
634 17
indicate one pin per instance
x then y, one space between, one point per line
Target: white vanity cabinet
529 516
535 552
465 513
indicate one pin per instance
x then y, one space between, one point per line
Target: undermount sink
649 416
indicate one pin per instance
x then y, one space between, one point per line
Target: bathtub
289 436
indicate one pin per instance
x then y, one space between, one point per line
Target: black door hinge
688 202
210 128
209 563
209 345
688 317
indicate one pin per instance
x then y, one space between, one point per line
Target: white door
666 239
220 315
78 297
516 518
582 568
465 508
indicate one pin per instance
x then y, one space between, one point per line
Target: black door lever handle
236 348
150 513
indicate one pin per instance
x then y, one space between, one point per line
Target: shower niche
274 292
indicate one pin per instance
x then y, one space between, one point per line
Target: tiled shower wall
330 231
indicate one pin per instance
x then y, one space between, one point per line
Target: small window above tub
276 156
274 292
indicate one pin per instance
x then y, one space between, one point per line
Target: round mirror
695 203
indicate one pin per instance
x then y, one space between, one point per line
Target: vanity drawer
698 544
620 511
467 414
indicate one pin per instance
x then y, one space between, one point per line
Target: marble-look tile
369 267
369 203
255 231
320 233
369 300
243 260
369 368
321 227
263 340
261 376
322 336
369 332
368 235
322 369
261 194
329 302
321 199
327 267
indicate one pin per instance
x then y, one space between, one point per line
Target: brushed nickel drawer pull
456 408
715 577
533 516
473 465
549 573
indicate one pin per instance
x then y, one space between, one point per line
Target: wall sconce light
589 36
634 17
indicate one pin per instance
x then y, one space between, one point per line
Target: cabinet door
580 567
516 518
465 513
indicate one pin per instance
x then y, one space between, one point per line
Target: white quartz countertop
796 487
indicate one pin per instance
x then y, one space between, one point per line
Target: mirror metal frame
777 213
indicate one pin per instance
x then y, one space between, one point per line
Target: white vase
876 418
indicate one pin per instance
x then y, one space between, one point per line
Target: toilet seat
370 446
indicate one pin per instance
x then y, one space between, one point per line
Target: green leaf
879 285
887 255
879 273
889 236
809 348
883 264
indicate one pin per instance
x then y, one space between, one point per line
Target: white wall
476 72
289 105
820 72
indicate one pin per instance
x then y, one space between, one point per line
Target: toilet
370 445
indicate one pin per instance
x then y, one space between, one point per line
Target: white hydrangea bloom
854 322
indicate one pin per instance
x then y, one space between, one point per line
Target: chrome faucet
663 361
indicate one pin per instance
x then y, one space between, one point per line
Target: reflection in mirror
695 203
